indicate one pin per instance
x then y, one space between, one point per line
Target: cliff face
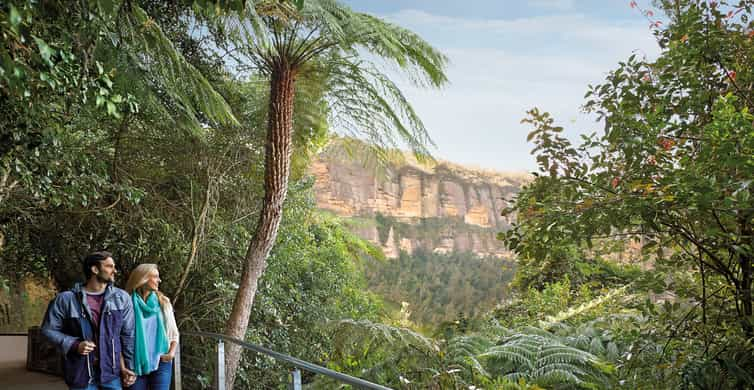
441 208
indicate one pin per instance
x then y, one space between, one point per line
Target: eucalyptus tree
286 41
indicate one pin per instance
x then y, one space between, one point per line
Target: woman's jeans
155 380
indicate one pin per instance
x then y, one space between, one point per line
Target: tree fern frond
596 346
572 368
365 101
516 376
508 355
349 333
171 76
559 376
561 357
543 358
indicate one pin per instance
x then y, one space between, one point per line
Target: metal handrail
297 363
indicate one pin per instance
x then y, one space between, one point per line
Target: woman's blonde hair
139 277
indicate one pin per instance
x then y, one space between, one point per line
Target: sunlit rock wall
463 204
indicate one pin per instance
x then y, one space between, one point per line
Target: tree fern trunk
277 169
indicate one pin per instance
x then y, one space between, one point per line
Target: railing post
220 365
295 379
177 385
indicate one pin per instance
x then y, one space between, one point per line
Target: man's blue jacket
67 320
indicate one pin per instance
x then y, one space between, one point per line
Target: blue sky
508 56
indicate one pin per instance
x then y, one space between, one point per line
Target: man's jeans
155 380
95 385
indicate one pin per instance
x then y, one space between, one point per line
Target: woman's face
153 282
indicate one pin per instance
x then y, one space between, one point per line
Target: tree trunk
277 169
745 262
746 295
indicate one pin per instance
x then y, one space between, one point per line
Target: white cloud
501 68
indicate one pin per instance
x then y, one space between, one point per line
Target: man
93 326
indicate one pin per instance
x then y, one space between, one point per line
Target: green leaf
45 50
15 18
112 109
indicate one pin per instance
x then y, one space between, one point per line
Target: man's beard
102 279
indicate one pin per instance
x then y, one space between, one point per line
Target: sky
508 56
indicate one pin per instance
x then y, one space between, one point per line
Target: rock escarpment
440 208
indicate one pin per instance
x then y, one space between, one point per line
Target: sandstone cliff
440 208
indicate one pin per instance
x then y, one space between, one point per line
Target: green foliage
671 170
380 353
125 134
496 358
541 358
440 286
330 39
575 263
311 281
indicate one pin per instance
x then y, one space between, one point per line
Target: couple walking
113 338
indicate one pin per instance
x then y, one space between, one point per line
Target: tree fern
542 358
363 100
365 334
463 351
279 39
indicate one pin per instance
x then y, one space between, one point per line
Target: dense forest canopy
123 126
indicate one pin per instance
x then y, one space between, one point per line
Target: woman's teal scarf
151 340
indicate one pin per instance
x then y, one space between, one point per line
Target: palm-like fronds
383 351
543 359
355 51
365 334
173 83
464 351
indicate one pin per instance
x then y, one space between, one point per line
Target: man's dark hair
94 258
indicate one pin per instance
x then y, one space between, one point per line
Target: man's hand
168 357
85 347
127 376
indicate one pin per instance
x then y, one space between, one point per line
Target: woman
156 334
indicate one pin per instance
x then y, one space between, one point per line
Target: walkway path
13 373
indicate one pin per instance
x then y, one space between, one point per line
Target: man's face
106 271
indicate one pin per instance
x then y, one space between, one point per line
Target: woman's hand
168 357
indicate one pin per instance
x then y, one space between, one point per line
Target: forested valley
180 133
